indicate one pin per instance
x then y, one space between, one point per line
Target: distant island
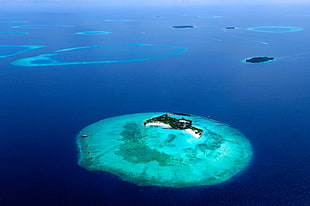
230 27
257 60
182 27
173 123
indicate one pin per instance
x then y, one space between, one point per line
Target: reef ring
93 32
275 29
117 53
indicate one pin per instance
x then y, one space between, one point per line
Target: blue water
43 108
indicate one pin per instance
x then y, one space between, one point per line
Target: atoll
139 148
13 33
93 32
13 22
39 26
10 50
275 29
101 54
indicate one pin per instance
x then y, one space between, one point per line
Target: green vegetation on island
257 60
173 123
183 27
230 27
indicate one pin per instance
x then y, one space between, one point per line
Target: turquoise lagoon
39 26
12 33
93 32
10 50
153 156
275 29
102 54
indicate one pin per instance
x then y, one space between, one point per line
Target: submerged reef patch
39 26
9 50
102 54
13 33
13 22
93 32
142 149
275 29
298 15
209 17
118 20
159 17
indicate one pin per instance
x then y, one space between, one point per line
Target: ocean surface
42 108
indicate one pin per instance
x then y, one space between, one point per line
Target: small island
230 27
183 27
258 60
173 123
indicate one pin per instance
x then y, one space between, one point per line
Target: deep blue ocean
43 108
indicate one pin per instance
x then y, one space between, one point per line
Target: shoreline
167 126
191 132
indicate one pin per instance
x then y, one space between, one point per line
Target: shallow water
43 108
150 155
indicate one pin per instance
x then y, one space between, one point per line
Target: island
183 27
230 27
154 149
258 60
173 123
